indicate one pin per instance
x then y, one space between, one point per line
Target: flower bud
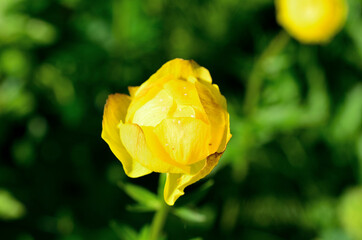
176 123
311 21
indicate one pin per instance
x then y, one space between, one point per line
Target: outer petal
154 111
185 94
214 105
184 139
133 91
140 98
172 70
227 135
115 111
184 111
160 153
212 92
177 69
176 183
134 140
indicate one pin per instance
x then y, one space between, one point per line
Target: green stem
256 76
359 156
159 218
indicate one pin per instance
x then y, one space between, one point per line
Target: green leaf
141 195
10 207
145 233
350 210
190 215
123 231
141 208
348 120
334 234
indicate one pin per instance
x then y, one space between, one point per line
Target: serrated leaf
141 195
190 215
123 231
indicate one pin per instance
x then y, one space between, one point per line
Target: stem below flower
256 76
159 218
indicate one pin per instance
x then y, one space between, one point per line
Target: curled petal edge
115 111
176 183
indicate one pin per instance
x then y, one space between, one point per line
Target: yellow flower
311 21
176 123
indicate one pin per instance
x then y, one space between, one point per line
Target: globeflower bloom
311 21
176 123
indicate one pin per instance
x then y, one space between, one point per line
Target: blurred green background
293 169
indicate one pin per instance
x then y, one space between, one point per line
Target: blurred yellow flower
311 21
176 123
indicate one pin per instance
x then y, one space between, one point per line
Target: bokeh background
293 169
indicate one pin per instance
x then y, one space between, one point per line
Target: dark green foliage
297 139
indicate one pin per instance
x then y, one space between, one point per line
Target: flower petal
176 183
133 91
134 140
143 97
184 111
212 92
184 139
115 111
203 74
160 153
177 69
185 94
180 68
154 111
226 136
214 105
